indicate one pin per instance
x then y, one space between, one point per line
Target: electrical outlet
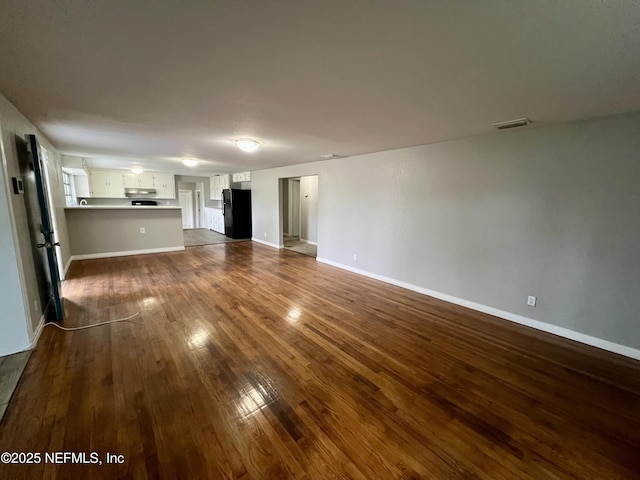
265 234
143 230
355 257
531 301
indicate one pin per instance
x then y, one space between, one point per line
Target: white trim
308 241
273 245
127 253
26 301
529 322
36 334
66 267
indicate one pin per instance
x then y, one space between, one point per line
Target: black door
40 227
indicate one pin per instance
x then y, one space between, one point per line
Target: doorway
299 214
294 207
195 212
42 230
199 206
185 198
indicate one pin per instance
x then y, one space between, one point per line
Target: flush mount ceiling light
248 145
190 162
137 170
518 122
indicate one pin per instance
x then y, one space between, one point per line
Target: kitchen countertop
123 207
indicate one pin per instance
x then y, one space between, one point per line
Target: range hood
140 192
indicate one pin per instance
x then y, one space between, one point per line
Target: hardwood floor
249 362
203 236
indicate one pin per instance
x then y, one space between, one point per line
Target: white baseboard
66 267
127 253
36 334
545 327
308 241
268 244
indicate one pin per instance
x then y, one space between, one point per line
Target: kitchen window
69 196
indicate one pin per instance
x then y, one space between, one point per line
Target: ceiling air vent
518 122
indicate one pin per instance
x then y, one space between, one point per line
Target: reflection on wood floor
256 363
203 236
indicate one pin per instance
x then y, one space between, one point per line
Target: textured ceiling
151 82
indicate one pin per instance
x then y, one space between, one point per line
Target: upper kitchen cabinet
106 184
242 177
165 185
82 187
137 180
217 183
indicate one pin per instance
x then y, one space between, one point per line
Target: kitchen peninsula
98 231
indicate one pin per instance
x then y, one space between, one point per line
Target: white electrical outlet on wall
143 230
531 301
355 257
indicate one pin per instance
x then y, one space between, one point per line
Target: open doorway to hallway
191 199
299 214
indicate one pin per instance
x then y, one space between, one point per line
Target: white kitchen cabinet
106 184
217 183
208 216
242 177
130 180
218 221
137 180
165 185
214 185
215 219
81 184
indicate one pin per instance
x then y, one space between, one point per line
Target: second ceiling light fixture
247 144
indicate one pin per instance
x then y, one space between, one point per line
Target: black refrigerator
236 208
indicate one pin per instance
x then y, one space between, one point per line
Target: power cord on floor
71 329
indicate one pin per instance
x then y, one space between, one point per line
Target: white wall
13 124
13 321
551 212
309 208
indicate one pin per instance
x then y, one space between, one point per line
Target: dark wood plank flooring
253 363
